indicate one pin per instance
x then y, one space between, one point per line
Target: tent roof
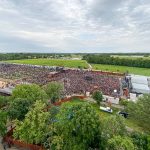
140 88
139 79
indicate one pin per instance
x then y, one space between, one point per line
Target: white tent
140 88
139 79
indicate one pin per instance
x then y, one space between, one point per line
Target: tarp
140 88
139 79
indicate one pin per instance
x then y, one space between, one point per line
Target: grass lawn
123 69
53 62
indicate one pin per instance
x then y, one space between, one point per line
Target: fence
68 99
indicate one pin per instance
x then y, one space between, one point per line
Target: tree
18 108
54 91
97 95
77 127
30 92
140 140
112 126
120 143
35 125
4 101
140 111
3 121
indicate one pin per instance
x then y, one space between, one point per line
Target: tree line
109 60
17 56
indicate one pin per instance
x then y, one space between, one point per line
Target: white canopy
139 79
140 88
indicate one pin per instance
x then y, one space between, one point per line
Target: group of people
75 81
82 81
25 73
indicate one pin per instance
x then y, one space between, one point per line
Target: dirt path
89 66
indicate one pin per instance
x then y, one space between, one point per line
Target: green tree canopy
18 108
77 127
30 92
35 125
140 111
3 121
97 95
54 91
140 140
120 143
112 126
4 101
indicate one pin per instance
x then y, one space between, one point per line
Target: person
4 146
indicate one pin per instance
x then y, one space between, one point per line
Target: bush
97 95
120 143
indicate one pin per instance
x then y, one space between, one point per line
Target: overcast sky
75 26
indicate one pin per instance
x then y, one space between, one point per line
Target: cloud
75 25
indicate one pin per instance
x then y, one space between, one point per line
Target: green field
83 64
53 62
131 57
122 69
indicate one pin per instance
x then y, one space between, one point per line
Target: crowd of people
75 81
82 81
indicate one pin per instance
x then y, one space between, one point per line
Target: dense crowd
26 73
79 82
75 81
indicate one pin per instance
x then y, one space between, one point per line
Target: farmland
123 69
53 62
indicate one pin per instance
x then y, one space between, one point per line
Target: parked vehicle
124 114
106 109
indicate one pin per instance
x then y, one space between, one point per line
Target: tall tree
97 95
54 91
18 108
120 143
35 125
30 92
77 127
4 101
112 126
140 140
3 121
140 111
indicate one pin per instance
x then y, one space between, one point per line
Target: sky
74 26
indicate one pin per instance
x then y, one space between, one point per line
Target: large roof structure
140 84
